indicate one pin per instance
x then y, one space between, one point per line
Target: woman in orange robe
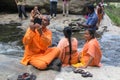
68 48
37 41
91 53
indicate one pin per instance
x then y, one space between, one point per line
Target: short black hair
91 32
91 7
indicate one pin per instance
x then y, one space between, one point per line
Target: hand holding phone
37 20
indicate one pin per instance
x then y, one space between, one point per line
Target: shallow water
110 45
11 39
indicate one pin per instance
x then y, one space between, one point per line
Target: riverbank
10 67
114 13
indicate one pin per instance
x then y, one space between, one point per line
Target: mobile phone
37 20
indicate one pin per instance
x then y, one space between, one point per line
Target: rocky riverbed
10 67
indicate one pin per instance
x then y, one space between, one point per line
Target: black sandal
87 74
26 76
79 71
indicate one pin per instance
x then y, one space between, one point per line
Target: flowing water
10 40
11 43
111 49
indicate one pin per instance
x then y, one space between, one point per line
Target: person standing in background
102 5
66 7
99 13
35 13
21 8
53 8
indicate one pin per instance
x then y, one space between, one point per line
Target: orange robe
37 52
63 45
100 15
91 48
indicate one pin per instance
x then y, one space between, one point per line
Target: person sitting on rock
91 20
37 40
68 48
91 53
35 13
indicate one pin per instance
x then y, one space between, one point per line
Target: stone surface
76 6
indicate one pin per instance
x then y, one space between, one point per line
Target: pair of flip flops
26 76
84 73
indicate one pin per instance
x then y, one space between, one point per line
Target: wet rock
105 59
59 29
53 30
9 19
118 50
74 24
68 69
56 37
43 11
10 67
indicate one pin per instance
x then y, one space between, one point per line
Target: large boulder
76 6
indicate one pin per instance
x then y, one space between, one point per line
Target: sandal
26 76
79 71
87 74
32 77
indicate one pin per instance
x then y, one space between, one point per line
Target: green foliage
114 14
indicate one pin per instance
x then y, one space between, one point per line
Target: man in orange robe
37 41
